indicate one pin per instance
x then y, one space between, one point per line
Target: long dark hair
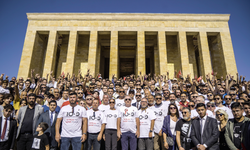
177 111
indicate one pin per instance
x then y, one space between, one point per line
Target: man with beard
183 130
147 120
27 118
74 125
235 127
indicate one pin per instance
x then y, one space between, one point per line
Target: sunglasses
219 114
172 108
158 98
138 89
184 112
111 102
210 106
232 94
227 98
88 99
210 95
127 99
80 93
82 103
194 96
138 95
222 91
91 87
122 92
191 106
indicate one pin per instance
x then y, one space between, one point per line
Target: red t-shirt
183 104
66 103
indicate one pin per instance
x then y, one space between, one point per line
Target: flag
195 77
179 73
199 79
124 78
63 74
212 73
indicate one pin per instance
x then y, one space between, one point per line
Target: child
41 141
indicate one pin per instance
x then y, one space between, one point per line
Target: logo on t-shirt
141 117
70 114
94 118
111 115
126 114
159 114
184 128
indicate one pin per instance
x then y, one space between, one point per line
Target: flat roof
127 17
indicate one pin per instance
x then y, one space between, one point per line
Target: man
27 118
152 89
210 97
137 104
128 125
194 113
99 89
228 101
183 130
65 97
50 117
49 98
8 127
204 133
74 125
105 106
166 94
160 111
119 102
96 126
110 92
147 120
246 106
219 105
235 127
151 101
183 102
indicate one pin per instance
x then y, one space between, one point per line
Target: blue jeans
129 137
92 140
75 142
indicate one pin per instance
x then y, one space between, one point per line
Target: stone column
182 45
156 60
92 52
141 57
25 62
228 53
113 64
72 47
204 54
162 52
50 58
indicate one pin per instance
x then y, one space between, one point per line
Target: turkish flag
212 73
179 73
199 79
195 77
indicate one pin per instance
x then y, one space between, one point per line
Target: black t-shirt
27 125
237 134
183 126
39 142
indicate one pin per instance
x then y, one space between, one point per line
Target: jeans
24 141
129 137
75 142
92 140
111 139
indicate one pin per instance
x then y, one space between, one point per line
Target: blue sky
13 21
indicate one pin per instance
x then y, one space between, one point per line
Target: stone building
127 43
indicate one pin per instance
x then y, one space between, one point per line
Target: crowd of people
144 112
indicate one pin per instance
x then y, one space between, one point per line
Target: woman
169 124
211 107
82 103
110 135
222 117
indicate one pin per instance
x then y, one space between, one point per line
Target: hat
131 91
157 88
174 79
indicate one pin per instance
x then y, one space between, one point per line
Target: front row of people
134 128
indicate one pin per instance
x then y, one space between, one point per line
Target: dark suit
12 133
210 133
45 117
134 104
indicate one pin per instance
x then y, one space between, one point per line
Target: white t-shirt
128 118
194 113
95 120
119 103
72 122
146 117
111 118
227 110
160 112
104 108
172 127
